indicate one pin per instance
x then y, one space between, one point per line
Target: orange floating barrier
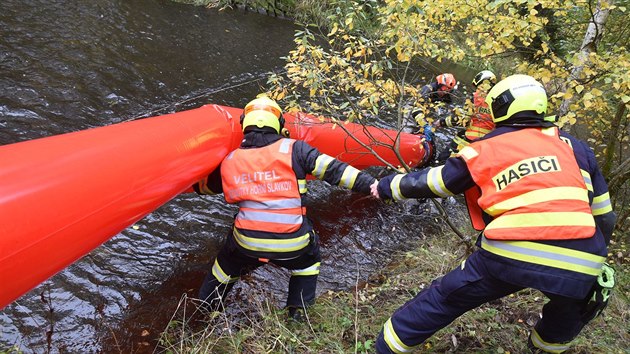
63 196
332 140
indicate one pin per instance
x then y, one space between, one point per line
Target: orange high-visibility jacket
263 184
531 185
481 121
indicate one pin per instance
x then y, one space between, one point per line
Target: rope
206 93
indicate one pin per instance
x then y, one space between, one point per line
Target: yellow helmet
517 96
262 112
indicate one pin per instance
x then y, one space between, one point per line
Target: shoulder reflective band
468 153
551 131
547 255
285 145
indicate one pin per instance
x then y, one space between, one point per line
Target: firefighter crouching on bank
542 204
266 178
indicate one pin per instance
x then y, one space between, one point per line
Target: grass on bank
348 321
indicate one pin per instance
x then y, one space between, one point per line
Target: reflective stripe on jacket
531 185
546 255
276 246
263 184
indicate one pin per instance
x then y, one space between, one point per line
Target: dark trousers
230 264
463 289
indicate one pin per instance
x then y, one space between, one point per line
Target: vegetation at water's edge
306 11
348 321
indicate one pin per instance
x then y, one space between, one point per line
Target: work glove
428 132
600 294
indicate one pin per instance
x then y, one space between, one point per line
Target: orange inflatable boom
334 141
63 196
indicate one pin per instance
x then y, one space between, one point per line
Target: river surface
71 65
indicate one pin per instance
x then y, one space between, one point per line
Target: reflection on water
68 66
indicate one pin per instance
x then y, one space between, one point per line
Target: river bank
348 321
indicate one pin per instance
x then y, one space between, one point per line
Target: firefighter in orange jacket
480 122
266 178
542 204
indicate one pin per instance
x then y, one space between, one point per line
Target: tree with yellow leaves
369 64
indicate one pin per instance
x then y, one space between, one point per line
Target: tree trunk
612 140
593 35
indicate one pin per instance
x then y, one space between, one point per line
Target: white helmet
483 76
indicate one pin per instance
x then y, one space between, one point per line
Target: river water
67 66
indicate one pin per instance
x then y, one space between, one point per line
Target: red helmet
446 81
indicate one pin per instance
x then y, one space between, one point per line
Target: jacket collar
257 138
